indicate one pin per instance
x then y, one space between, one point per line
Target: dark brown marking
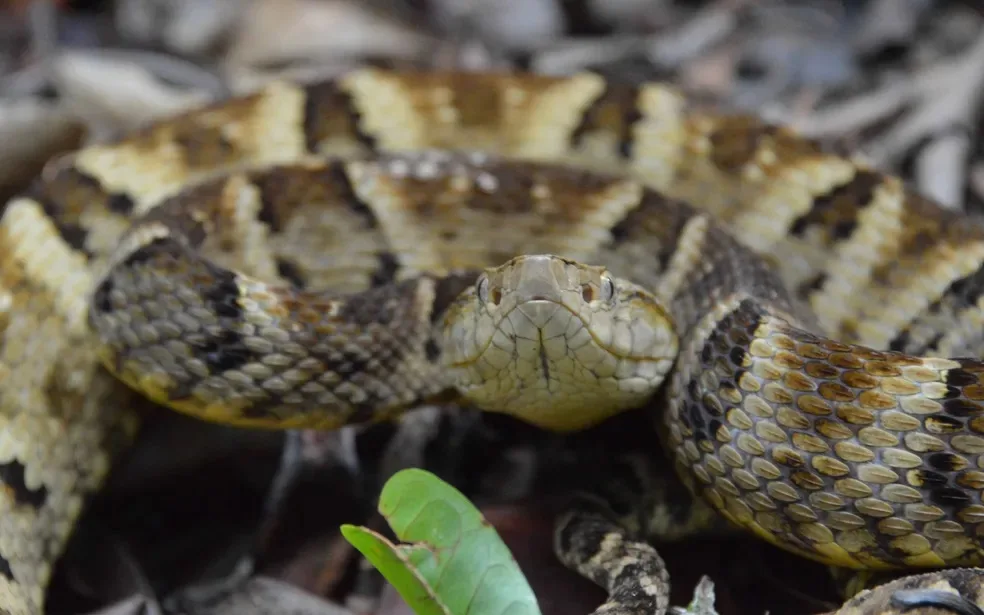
901 341
715 426
341 180
960 294
203 147
223 295
268 211
811 285
962 408
100 298
12 477
615 112
735 142
291 272
68 193
946 462
968 289
329 112
838 210
659 220
943 424
223 352
120 203
949 496
697 420
73 234
930 345
737 356
621 231
381 305
65 197
447 289
286 188
706 353
150 251
952 392
174 213
929 478
431 350
962 377
387 269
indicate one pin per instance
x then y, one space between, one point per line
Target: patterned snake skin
864 452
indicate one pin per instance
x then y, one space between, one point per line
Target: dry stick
570 55
849 116
948 95
708 27
705 29
941 167
940 170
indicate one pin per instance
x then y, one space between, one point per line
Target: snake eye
483 289
484 294
607 288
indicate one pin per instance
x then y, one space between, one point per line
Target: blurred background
898 82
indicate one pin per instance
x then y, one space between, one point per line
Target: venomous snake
863 452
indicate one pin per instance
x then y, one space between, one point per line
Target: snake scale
557 248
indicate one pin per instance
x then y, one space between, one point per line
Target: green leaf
455 564
388 559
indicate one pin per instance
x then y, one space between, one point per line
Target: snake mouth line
497 328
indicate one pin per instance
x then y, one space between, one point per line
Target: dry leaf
276 32
114 95
31 132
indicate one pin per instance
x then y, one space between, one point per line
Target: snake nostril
496 296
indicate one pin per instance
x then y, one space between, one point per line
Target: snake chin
546 339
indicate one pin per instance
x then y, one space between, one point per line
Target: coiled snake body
300 258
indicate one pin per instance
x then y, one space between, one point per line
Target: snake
558 248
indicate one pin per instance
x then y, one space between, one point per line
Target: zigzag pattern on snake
864 452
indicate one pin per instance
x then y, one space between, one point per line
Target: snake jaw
546 339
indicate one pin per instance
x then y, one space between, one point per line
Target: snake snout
539 312
558 343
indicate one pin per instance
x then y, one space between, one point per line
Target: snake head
557 343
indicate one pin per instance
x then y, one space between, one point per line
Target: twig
570 55
942 97
708 27
940 171
852 115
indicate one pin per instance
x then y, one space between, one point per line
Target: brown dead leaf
276 33
31 132
113 95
